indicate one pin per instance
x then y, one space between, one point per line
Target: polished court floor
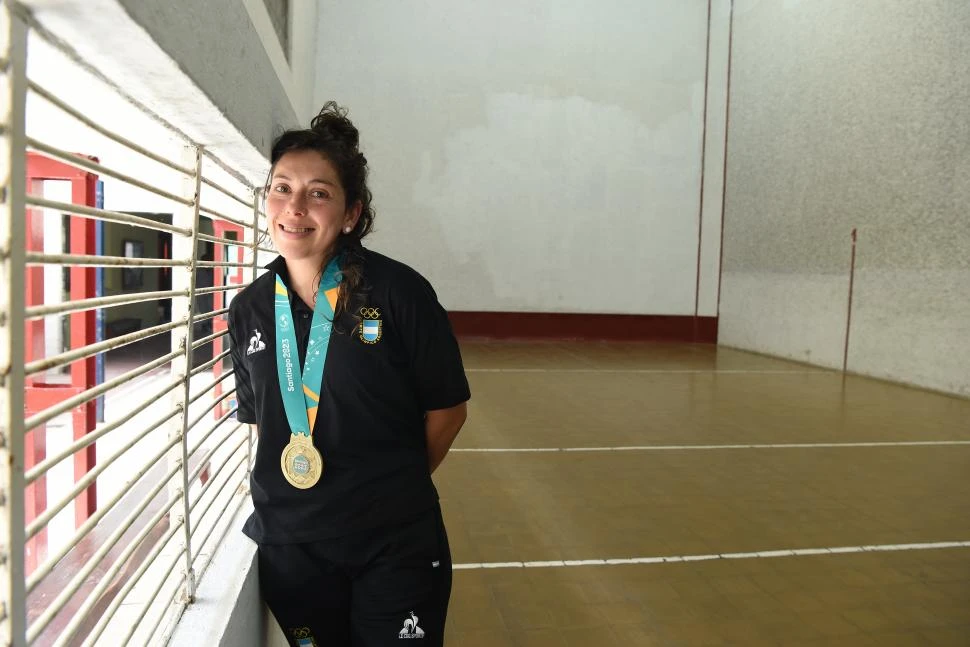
744 500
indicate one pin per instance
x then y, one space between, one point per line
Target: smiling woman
318 182
307 211
344 504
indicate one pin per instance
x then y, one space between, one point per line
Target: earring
346 230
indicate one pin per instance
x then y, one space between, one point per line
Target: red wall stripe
578 326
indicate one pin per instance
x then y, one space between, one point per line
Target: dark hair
336 138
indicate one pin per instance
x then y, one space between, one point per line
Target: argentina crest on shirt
303 637
370 326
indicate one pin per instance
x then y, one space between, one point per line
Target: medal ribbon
301 413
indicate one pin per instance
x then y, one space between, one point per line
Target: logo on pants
411 628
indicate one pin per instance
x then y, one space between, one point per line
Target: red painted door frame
39 394
223 276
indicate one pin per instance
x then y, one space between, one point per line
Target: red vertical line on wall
727 124
848 313
700 208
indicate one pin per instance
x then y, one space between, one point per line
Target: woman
352 549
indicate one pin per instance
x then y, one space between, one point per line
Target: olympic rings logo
301 632
370 313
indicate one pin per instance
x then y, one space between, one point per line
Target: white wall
230 50
538 155
851 115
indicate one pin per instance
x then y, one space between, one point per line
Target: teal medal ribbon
301 462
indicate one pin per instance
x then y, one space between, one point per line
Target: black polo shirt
378 382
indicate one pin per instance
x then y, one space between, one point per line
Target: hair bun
332 120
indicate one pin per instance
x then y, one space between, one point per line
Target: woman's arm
440 428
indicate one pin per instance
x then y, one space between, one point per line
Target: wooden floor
691 457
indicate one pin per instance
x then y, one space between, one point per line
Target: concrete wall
851 115
537 156
228 610
279 15
217 44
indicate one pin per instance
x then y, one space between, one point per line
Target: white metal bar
199 343
201 441
209 315
219 239
103 214
82 483
135 577
212 362
222 487
81 615
71 588
268 250
99 302
185 309
222 189
100 169
227 512
53 100
221 216
221 288
221 264
216 473
230 513
13 90
230 171
89 438
202 414
211 386
255 271
45 569
249 456
203 459
215 497
162 608
50 413
98 347
35 258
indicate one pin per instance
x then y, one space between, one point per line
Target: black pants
363 590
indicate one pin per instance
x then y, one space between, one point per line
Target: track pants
364 590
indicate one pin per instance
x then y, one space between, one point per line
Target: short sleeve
434 356
245 399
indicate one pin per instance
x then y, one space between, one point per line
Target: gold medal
301 462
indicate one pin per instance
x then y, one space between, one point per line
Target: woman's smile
295 231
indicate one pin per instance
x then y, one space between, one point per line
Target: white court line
643 448
686 371
793 552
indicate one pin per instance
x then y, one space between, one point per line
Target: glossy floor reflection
681 451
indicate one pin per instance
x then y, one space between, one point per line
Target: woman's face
306 206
